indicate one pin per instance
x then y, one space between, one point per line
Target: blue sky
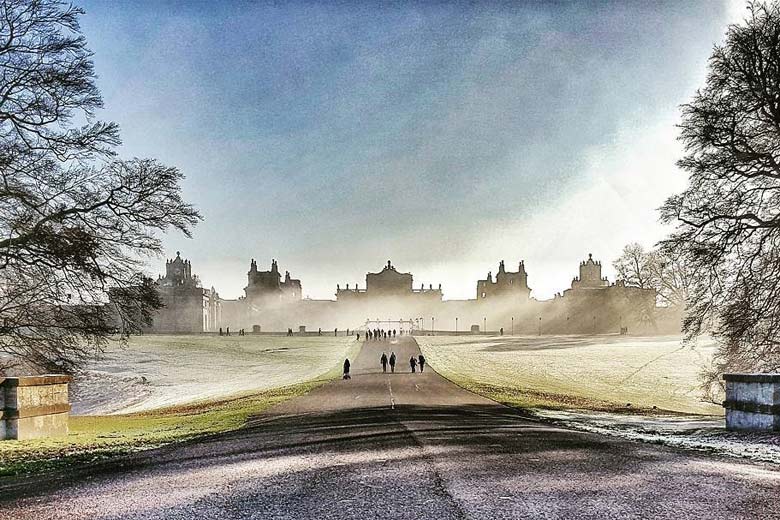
445 136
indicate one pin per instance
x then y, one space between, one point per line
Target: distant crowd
381 334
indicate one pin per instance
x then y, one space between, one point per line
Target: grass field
195 385
603 373
157 371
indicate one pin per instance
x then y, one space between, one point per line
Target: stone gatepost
34 406
752 402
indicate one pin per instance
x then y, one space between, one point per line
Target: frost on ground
584 374
701 433
156 371
646 372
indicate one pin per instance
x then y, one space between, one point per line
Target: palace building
266 288
186 305
272 303
388 284
508 285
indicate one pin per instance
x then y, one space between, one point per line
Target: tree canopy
75 220
728 218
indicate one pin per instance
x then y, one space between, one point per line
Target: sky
444 136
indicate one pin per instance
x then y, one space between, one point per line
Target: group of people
413 362
384 360
240 332
381 334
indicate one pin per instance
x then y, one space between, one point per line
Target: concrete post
33 407
752 402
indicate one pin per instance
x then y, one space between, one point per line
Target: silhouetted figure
421 359
393 332
228 331
392 362
319 331
383 360
335 332
413 364
346 369
500 333
347 332
220 331
358 336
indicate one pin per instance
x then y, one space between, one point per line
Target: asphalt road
403 446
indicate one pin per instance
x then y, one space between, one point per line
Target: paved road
404 446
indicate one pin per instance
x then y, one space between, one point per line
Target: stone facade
34 407
388 284
272 303
594 306
266 288
508 285
590 276
186 305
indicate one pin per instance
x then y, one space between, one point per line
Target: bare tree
75 221
728 218
633 266
653 269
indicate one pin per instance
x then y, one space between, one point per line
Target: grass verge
96 438
529 398
101 437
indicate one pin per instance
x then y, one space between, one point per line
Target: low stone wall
33 407
752 402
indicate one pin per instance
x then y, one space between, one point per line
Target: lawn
157 371
606 373
209 385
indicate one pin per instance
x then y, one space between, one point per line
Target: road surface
403 446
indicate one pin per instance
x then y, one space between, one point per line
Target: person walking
413 364
383 360
421 359
392 362
346 369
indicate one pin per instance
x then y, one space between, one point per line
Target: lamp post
456 326
540 325
433 325
484 325
513 326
